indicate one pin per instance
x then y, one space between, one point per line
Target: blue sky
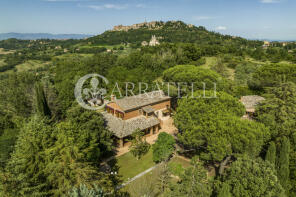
262 19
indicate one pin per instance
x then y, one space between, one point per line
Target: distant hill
35 36
169 32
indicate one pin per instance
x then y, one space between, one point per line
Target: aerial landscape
135 98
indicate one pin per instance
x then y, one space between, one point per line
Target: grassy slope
3 52
30 65
184 163
130 166
266 62
211 61
149 180
146 182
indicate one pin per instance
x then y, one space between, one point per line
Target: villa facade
143 112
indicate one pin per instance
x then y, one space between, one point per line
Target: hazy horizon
254 19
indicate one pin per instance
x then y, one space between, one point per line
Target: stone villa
143 112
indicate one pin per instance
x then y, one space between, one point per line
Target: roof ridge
140 100
145 93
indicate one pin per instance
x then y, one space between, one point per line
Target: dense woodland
50 146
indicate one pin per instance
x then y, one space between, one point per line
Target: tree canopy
194 182
278 110
214 128
163 147
271 75
49 159
248 177
197 75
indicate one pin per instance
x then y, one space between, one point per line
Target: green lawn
178 165
129 166
144 185
147 183
178 160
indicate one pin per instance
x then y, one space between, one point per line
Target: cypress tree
26 168
271 153
283 163
41 102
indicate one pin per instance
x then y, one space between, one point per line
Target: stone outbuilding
250 103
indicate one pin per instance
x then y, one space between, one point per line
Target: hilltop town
149 25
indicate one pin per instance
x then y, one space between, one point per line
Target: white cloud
221 28
270 1
199 18
141 5
108 6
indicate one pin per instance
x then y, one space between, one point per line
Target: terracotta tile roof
250 102
148 109
122 128
141 100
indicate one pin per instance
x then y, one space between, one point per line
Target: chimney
113 97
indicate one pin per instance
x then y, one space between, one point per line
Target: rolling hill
35 36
